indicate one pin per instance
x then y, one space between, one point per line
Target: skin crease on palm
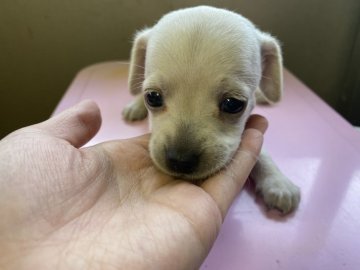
107 206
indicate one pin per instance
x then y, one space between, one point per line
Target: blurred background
44 43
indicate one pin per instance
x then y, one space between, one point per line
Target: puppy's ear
271 83
137 61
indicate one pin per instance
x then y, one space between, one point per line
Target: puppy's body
199 70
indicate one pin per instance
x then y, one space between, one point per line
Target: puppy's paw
134 111
280 193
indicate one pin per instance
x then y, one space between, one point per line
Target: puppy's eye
232 105
154 99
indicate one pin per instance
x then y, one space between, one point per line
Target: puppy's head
199 69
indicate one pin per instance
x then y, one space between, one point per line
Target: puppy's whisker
137 85
135 65
137 80
266 77
138 77
276 83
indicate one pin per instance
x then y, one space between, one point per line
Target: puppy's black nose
182 161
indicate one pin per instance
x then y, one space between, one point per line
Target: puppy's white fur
194 58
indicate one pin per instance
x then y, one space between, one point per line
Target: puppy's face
202 67
196 125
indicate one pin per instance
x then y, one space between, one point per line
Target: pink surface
313 146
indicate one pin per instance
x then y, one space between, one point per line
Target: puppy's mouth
182 161
188 164
188 154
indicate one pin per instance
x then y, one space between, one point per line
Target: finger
77 125
258 122
142 140
125 153
225 186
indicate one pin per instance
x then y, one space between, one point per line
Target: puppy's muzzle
182 160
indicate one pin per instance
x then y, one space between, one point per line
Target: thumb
77 125
225 186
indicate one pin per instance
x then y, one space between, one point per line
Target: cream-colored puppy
198 72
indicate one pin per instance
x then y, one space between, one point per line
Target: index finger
224 186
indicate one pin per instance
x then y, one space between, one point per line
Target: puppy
199 72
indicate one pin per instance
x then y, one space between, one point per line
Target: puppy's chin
191 177
195 177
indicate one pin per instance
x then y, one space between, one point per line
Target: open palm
107 206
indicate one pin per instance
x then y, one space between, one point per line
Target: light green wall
43 43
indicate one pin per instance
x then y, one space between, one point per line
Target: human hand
107 206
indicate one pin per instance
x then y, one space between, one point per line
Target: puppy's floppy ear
271 83
137 61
